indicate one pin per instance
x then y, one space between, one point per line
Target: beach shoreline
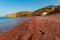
37 27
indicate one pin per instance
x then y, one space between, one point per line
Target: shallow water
8 23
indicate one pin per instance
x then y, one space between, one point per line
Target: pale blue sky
9 6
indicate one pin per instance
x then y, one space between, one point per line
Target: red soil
36 28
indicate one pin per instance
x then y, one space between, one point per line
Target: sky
10 6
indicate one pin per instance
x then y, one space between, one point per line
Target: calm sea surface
8 23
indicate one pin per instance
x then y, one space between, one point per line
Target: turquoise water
8 23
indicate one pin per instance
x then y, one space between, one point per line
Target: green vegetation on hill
48 10
57 8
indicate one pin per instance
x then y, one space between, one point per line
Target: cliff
11 15
20 14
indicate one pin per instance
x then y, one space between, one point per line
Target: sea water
7 23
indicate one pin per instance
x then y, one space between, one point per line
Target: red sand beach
36 28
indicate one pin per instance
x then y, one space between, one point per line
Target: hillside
48 10
24 14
